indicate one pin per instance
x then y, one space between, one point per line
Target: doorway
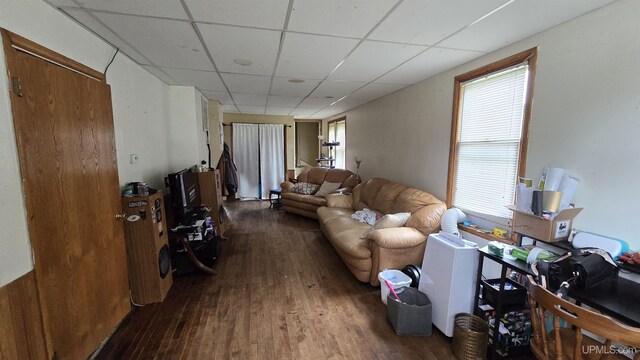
307 142
63 121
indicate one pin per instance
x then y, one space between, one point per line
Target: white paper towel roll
568 187
554 177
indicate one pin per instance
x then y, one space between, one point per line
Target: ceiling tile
429 63
250 99
167 43
338 17
269 14
312 56
221 96
59 3
517 21
325 114
303 112
87 20
426 22
372 59
247 84
316 103
275 110
282 86
250 109
230 109
347 104
336 89
157 72
161 8
374 90
284 101
203 80
228 43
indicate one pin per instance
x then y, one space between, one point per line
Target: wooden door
64 131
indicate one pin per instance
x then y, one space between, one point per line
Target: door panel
64 130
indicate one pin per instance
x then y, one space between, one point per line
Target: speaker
211 194
148 256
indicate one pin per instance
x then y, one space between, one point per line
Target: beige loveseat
390 248
307 205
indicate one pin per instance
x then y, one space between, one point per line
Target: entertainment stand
196 222
194 246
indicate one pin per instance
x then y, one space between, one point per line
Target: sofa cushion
411 200
326 213
386 197
370 191
304 188
327 187
316 175
389 221
344 234
337 176
307 199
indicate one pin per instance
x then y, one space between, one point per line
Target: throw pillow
389 221
327 188
304 188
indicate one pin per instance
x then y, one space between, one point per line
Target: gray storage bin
413 315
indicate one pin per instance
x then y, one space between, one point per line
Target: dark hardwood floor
281 292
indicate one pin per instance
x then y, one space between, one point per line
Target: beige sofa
390 248
307 205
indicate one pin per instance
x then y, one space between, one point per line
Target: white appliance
449 270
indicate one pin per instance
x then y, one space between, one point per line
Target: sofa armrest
286 186
397 238
339 201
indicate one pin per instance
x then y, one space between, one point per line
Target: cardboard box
539 228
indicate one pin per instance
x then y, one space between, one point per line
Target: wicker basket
470 336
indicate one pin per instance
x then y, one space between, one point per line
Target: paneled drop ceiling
340 54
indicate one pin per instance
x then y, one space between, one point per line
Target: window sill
489 237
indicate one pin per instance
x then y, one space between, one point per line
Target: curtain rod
255 124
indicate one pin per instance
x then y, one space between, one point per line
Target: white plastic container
396 278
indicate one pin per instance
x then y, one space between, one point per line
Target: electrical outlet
133 158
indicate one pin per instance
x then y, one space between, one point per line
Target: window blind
491 120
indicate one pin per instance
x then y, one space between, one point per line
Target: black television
184 191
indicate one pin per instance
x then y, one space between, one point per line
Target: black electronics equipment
413 272
585 268
184 191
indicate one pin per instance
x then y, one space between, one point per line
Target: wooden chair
571 343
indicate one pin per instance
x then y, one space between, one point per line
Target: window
492 107
338 133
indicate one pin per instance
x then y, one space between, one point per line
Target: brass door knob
121 216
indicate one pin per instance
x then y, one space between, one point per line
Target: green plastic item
520 253
523 254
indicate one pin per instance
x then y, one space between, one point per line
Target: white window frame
332 132
529 57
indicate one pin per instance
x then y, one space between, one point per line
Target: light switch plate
133 158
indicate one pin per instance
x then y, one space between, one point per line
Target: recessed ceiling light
242 62
296 81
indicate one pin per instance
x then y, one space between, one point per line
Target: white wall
586 119
141 117
187 140
139 103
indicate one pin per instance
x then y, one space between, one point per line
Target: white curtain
271 157
246 156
